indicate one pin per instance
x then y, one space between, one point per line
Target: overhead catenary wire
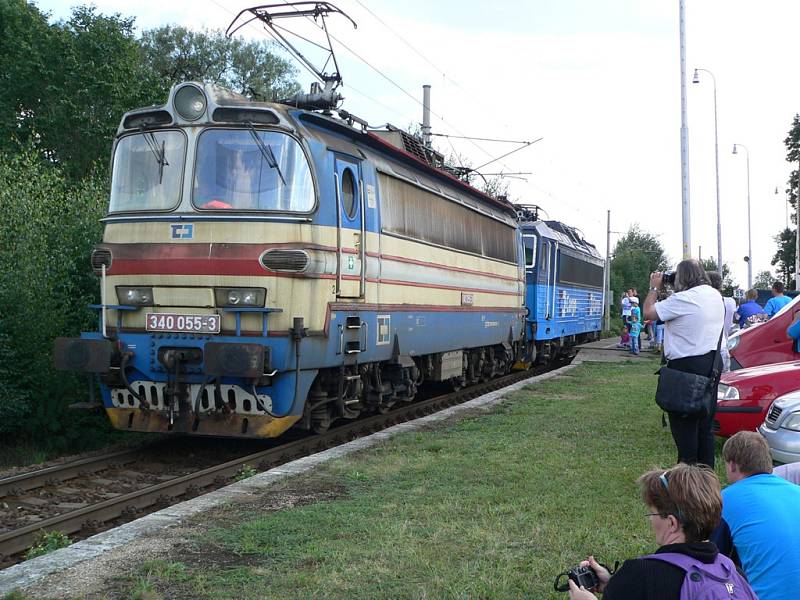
394 83
466 137
418 53
526 144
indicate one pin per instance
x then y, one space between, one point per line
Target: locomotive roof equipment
319 98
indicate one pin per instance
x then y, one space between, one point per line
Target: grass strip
490 507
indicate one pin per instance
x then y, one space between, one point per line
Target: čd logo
182 232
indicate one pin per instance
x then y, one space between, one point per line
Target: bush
48 229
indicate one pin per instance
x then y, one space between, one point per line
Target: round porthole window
349 193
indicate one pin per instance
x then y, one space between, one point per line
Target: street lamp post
696 79
749 238
686 213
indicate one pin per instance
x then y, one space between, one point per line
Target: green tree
763 280
46 235
728 285
792 143
68 85
24 35
635 256
786 241
253 69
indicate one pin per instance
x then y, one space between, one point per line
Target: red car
745 395
765 343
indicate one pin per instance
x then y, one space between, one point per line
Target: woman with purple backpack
683 508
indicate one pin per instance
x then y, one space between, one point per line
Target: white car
782 428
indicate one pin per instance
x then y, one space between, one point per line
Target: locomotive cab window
147 171
530 250
251 170
348 185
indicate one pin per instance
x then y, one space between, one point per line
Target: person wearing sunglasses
683 506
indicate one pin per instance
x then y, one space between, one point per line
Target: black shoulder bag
688 393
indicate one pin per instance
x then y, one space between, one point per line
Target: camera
668 278
582 576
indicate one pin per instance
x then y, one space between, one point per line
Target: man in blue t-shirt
749 311
778 300
759 525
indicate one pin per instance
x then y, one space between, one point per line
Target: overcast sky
599 80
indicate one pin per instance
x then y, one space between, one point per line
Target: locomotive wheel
321 420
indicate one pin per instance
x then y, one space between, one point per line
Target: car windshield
147 172
249 169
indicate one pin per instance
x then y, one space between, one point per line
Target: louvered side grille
773 415
100 257
285 261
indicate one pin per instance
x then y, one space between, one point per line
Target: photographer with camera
683 507
687 386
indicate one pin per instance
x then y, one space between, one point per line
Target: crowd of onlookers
740 542
746 314
633 327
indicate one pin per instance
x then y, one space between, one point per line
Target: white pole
607 275
696 79
749 236
716 164
686 213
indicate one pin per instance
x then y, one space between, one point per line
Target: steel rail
92 517
16 484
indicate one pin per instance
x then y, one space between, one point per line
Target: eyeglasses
662 515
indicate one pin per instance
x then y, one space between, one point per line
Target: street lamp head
696 78
734 149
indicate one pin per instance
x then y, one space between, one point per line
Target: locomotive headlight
135 296
240 296
190 102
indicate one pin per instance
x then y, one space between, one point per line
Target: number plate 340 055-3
183 323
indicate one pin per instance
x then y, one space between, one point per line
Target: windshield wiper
266 152
159 153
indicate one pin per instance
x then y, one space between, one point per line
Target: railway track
115 502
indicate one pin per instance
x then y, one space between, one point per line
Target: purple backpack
715 581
